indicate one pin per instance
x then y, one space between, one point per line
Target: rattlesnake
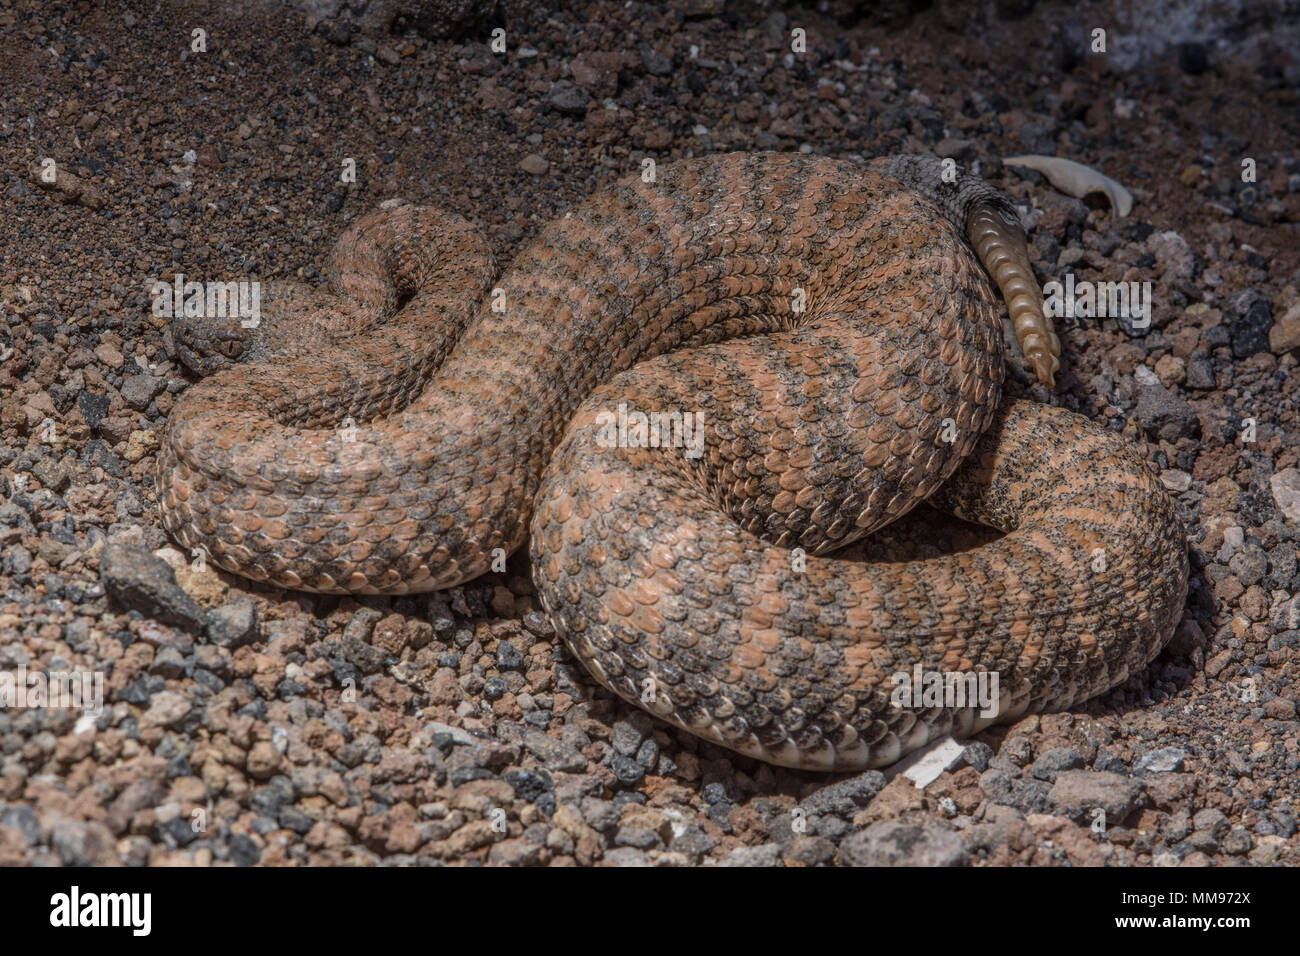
842 348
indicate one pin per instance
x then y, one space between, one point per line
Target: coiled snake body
835 346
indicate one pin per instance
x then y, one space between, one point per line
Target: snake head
205 345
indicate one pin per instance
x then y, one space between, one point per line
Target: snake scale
826 328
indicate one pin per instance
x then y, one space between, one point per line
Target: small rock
139 390
1079 792
83 844
808 851
596 72
625 856
1285 334
537 623
1163 414
626 770
1144 376
555 754
337 31
168 663
768 854
1164 760
626 736
889 843
458 735
535 164
263 760
93 407
1236 842
139 443
950 148
167 709
1234 539
656 64
693 842
977 755
1171 370
1286 492
138 580
205 586
1211 821
1249 565
109 355
567 98
1248 330
50 473
514 852
244 850
480 62
22 819
1200 373
1173 256
658 138
234 624
846 798
1055 761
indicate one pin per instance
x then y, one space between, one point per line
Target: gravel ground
245 726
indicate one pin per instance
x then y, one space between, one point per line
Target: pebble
1163 414
264 760
655 63
890 843
567 98
1234 540
539 624
625 856
846 798
138 580
234 624
535 164
768 854
1252 317
1050 765
83 843
51 473
167 709
1284 336
1200 373
554 754
1164 760
140 390
1285 486
1077 793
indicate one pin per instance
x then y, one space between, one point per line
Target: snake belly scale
829 332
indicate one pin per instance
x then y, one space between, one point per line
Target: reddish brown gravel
389 730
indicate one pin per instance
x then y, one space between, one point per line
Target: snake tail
1001 247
